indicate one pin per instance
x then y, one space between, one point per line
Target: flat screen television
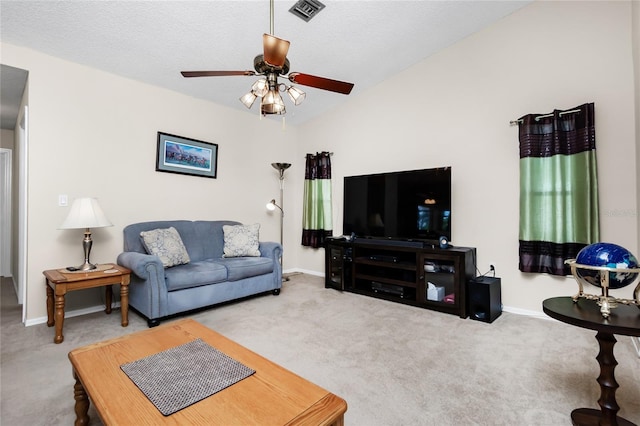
404 205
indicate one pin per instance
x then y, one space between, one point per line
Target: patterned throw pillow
241 240
167 245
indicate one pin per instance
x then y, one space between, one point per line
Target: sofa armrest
143 265
270 249
273 251
148 289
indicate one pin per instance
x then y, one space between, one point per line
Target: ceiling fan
274 65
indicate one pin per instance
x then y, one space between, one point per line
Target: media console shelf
428 277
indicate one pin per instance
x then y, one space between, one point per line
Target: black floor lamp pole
281 167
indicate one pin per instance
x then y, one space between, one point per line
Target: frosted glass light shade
260 87
248 99
296 95
272 103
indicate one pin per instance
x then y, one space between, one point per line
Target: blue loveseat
156 291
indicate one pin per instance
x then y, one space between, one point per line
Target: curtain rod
515 122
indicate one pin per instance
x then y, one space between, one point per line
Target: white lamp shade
85 213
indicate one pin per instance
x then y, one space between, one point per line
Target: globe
607 256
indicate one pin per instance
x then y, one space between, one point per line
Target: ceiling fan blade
215 73
321 83
275 50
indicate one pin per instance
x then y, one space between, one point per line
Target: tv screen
410 205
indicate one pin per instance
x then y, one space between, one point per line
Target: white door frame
23 184
5 212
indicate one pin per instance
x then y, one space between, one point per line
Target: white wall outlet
63 201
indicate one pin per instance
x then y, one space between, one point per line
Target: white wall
6 138
94 134
453 109
635 6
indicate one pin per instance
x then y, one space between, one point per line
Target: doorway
14 115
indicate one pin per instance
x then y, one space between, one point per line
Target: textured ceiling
363 42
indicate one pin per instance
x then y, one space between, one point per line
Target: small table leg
82 402
108 296
59 318
124 304
606 416
50 320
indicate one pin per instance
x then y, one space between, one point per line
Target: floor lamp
281 167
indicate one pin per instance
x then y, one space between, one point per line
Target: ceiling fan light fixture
273 64
296 95
272 103
248 99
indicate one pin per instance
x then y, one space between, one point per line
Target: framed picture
177 154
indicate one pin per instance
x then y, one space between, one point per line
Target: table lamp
85 213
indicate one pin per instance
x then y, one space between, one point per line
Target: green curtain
558 188
317 208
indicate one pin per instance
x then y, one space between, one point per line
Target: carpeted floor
393 364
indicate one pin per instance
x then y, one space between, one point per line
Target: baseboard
303 271
71 314
525 312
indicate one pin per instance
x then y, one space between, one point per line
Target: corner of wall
635 43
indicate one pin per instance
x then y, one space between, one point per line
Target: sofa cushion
195 274
241 240
246 267
167 245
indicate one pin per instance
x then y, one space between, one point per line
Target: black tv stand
393 243
408 272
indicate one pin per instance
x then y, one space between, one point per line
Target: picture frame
178 154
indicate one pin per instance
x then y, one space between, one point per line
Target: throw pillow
167 245
241 240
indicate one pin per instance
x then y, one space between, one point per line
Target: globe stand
601 279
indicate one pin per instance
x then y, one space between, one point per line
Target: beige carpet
393 364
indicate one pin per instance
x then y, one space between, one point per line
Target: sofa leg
153 322
275 292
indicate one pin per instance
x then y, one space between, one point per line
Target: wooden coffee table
271 396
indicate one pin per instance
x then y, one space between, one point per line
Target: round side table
624 320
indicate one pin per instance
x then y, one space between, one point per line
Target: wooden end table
59 282
624 320
271 396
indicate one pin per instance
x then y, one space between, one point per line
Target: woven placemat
179 377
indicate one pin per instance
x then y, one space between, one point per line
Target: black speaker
484 299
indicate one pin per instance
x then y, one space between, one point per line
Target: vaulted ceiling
362 42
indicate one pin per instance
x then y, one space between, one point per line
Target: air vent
306 9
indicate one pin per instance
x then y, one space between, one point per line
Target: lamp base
86 266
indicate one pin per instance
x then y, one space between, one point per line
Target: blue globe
607 255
